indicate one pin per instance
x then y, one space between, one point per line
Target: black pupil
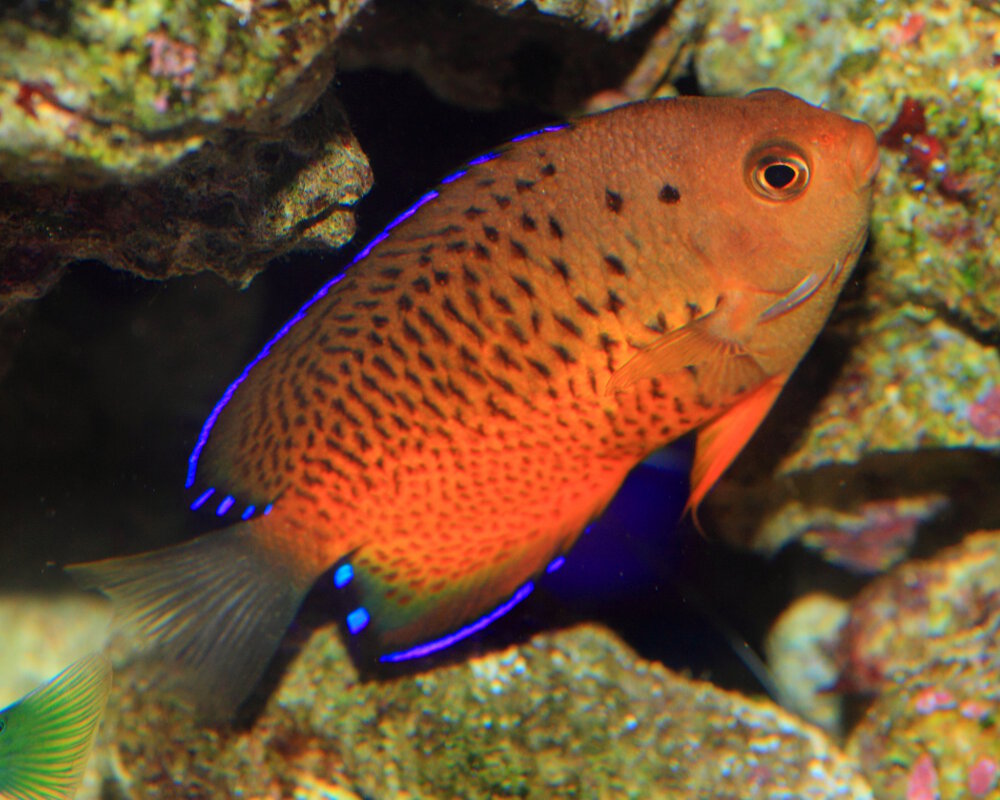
778 176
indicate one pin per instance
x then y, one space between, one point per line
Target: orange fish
437 425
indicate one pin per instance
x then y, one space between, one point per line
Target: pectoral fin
721 440
725 366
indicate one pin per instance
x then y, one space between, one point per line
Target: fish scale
440 423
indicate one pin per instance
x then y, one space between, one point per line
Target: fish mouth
864 156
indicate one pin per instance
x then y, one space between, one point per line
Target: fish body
441 422
46 736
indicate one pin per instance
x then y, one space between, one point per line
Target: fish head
792 196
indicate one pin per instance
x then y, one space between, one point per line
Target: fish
434 428
47 735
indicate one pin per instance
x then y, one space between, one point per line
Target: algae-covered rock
228 207
94 91
935 731
170 138
910 616
614 18
800 649
565 715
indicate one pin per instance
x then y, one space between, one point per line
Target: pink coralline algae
922 783
983 777
984 414
931 700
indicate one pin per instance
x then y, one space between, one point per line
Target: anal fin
390 620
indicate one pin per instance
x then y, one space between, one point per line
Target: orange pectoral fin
725 365
721 440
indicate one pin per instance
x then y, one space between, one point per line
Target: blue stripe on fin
202 499
483 159
546 129
427 648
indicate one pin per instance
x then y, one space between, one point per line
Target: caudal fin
45 738
209 613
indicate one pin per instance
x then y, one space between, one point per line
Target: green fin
726 368
209 613
45 738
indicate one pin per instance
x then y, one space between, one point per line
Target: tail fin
45 737
211 611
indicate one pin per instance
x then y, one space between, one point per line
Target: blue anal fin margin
356 618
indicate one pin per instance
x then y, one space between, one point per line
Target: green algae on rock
565 715
120 90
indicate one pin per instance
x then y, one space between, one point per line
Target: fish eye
777 172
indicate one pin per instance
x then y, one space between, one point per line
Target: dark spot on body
523 186
615 303
456 247
615 265
569 325
421 285
536 320
482 252
391 273
474 211
505 357
524 285
518 250
515 331
549 170
669 194
585 306
528 222
426 360
555 229
405 303
561 267
441 278
491 233
564 355
694 310
614 201
539 367
471 277
502 302
501 200
412 334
